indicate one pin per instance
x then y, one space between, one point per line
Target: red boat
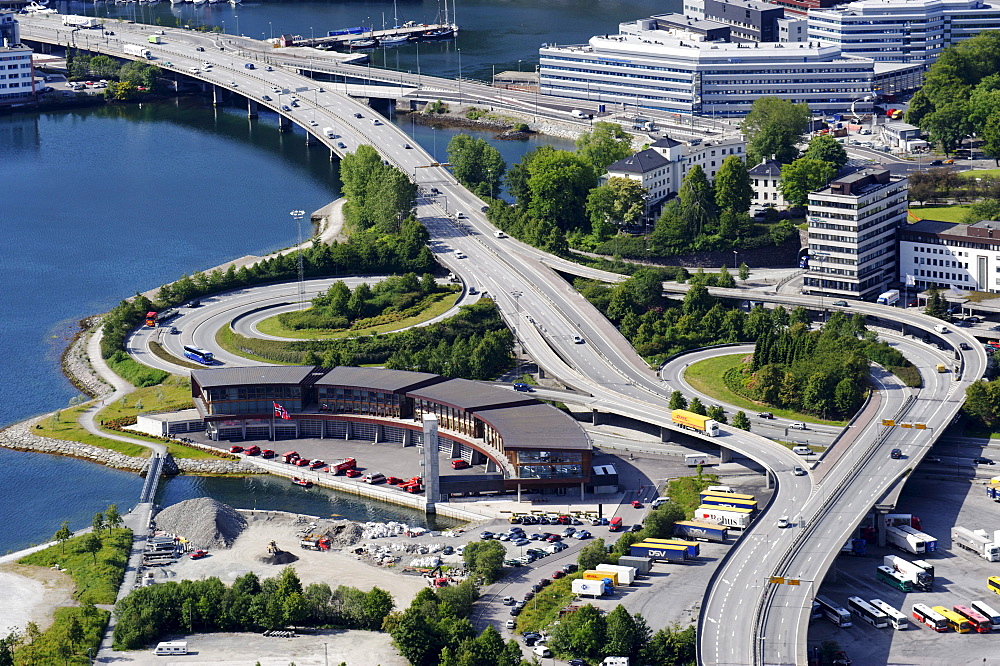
305 483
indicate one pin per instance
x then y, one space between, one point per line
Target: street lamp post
517 309
236 16
459 76
272 31
538 84
312 36
735 253
297 215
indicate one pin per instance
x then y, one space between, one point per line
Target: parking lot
960 578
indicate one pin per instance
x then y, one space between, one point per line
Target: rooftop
642 162
766 168
259 374
536 426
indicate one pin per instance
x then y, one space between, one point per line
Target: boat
393 40
200 2
441 33
362 43
305 483
235 2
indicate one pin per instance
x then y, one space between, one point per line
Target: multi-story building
681 71
948 255
765 179
661 167
748 20
852 234
10 34
17 79
904 31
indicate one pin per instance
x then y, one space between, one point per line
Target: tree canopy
603 145
477 165
803 176
773 127
826 148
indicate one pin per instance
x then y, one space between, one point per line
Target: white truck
591 588
577 113
329 133
977 542
137 50
904 541
626 575
736 518
75 21
919 572
695 459
890 297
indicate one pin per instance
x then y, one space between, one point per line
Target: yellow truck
693 421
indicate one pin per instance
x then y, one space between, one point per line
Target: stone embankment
77 366
19 437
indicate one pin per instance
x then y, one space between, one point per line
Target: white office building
17 81
765 179
948 255
904 31
661 168
852 234
687 71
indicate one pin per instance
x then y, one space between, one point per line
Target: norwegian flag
280 412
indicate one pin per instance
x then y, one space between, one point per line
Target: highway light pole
236 16
298 215
459 76
517 319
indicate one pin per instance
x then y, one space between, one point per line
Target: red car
636 504
267 453
459 464
252 450
393 480
301 462
352 473
316 464
557 575
236 449
198 554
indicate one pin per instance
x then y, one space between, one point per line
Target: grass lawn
272 326
160 352
686 491
543 609
66 427
706 377
225 339
940 213
979 173
97 580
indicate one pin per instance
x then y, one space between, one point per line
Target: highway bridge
746 619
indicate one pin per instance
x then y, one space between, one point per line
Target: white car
797 425
460 255
783 522
508 601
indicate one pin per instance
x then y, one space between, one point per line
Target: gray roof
536 426
767 168
470 396
398 381
642 162
665 142
256 374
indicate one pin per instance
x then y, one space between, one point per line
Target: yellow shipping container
601 575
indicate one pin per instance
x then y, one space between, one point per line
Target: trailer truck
916 572
930 543
641 565
890 297
593 574
659 551
626 575
730 517
592 588
694 550
728 501
136 50
897 538
693 421
977 542
75 21
699 531
695 459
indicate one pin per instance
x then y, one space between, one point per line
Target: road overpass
608 370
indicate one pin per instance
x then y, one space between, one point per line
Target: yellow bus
993 583
955 621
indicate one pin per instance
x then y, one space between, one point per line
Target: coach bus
833 612
955 621
890 576
980 623
930 617
897 619
200 355
994 584
867 612
983 609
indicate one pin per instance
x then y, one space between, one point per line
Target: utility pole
298 215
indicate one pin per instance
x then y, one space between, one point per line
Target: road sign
888 422
920 426
777 580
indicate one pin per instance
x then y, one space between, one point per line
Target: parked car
236 449
552 538
582 534
983 461
558 574
486 536
508 601
459 464
636 504
570 568
635 528
447 550
198 554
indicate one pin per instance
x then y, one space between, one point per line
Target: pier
414 32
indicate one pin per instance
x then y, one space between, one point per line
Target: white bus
867 612
835 613
993 616
926 615
897 619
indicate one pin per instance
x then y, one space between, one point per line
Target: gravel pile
203 521
345 534
280 557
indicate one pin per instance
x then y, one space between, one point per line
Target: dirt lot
31 594
312 566
356 648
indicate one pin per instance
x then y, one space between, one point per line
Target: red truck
414 485
343 466
291 456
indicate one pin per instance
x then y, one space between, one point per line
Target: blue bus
200 355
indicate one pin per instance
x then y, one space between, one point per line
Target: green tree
620 201
733 191
559 182
581 634
97 524
8 644
477 165
986 209
741 421
63 535
725 280
112 518
697 407
698 202
415 637
718 413
773 127
622 634
826 148
678 401
803 176
948 125
519 174
591 555
744 272
485 559
91 543
605 144
377 605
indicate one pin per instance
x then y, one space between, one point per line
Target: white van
660 501
499 234
940 328
717 489
375 478
802 450
171 647
330 134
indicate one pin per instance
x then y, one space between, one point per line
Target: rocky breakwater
20 438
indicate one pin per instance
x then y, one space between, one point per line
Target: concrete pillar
541 373
215 96
519 492
666 434
347 431
379 434
595 418
333 155
725 455
407 437
582 491
491 466
311 140
252 108
284 124
298 429
456 449
431 474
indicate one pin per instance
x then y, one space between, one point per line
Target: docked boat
441 33
362 43
393 40
305 483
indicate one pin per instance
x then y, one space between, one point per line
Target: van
171 647
801 450
374 478
499 234
659 501
329 133
616 524
941 368
577 113
716 489
940 328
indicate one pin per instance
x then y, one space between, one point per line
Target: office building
17 80
748 20
10 34
948 255
852 234
902 31
683 71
